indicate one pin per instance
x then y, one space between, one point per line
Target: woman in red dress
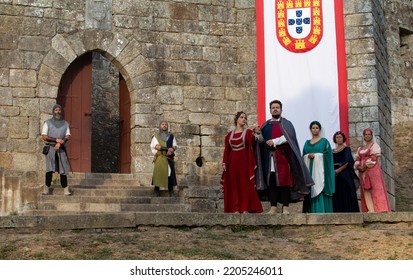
373 193
238 165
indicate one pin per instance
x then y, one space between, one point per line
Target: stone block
23 92
62 47
141 135
75 41
8 41
4 77
47 90
6 96
212 141
363 46
34 43
22 146
176 115
131 7
203 205
192 52
211 53
18 221
363 99
28 106
145 81
10 196
183 11
214 130
274 219
335 218
49 75
225 107
366 85
370 113
56 62
202 191
200 40
117 45
357 73
204 118
170 95
144 164
23 78
18 127
10 59
6 159
387 217
25 161
359 19
3 145
118 220
187 219
196 105
355 115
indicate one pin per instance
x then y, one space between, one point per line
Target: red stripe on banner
259 5
341 68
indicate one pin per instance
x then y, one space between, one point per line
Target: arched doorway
98 111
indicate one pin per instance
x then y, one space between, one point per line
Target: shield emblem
99 10
299 24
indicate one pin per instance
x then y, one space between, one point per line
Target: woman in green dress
318 156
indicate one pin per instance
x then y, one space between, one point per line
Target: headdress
163 134
373 138
57 122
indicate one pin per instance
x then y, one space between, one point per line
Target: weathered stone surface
6 96
23 78
25 161
204 118
18 127
203 205
335 218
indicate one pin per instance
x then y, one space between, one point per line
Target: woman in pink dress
373 191
238 165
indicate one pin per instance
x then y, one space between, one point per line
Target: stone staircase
119 201
107 193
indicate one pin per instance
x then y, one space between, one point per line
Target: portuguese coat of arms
299 24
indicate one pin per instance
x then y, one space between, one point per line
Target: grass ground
375 242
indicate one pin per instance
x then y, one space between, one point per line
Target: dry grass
381 242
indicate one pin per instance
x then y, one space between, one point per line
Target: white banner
301 62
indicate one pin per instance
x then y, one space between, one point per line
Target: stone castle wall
192 63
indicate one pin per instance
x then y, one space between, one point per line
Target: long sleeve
227 149
154 142
329 187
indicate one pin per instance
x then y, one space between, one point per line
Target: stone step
111 176
110 191
82 220
103 182
85 207
102 179
112 199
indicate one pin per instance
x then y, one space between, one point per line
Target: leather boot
67 191
273 210
46 190
285 210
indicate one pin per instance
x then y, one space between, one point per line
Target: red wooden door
124 114
75 96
